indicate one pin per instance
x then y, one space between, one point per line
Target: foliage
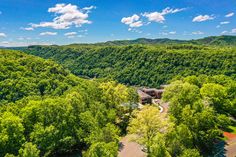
143 65
146 124
190 153
200 107
46 109
11 133
29 150
103 149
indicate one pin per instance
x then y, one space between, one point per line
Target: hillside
217 40
224 40
22 75
144 65
47 111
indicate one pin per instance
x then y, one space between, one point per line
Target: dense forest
142 65
199 112
46 111
223 40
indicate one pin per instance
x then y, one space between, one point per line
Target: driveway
130 149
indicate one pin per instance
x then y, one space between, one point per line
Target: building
147 94
144 98
153 92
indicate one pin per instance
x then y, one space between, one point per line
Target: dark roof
143 95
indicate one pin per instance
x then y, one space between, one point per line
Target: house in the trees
144 98
147 94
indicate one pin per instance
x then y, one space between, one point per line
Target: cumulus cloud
22 43
48 33
154 17
134 30
224 32
198 33
224 22
67 15
135 20
160 16
70 33
168 33
27 28
233 31
80 36
132 21
229 14
173 32
3 35
202 18
88 9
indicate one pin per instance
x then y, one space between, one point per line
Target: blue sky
27 22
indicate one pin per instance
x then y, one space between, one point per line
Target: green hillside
142 65
224 40
47 111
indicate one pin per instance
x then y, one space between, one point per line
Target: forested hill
47 111
145 65
224 40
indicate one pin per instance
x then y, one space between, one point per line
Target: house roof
143 95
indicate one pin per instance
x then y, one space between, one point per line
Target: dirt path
130 149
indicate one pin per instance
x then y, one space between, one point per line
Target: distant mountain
212 40
146 41
141 65
217 40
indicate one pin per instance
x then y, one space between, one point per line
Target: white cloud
224 32
70 34
3 35
132 21
80 36
24 38
218 26
160 16
70 37
224 22
229 15
83 31
5 43
135 21
22 43
154 17
202 18
48 33
169 10
233 31
89 8
27 28
168 33
67 15
136 24
198 33
134 30
173 32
